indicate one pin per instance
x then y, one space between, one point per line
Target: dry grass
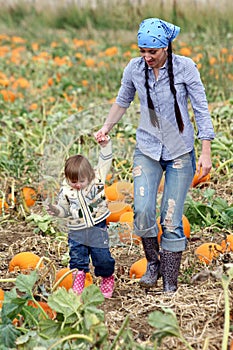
199 306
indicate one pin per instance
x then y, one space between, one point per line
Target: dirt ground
199 306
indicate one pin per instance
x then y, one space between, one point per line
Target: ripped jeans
147 174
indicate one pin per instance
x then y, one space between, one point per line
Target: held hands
101 137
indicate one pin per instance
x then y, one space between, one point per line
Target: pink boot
107 286
78 281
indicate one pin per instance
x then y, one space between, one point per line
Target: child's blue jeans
91 243
147 173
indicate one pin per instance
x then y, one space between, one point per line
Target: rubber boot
78 281
151 249
169 268
107 286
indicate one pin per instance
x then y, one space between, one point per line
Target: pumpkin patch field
57 83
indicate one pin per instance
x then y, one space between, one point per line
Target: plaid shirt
165 141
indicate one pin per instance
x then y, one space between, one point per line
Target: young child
82 201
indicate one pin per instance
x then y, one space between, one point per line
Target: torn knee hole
137 171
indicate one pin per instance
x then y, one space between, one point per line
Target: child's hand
102 139
52 210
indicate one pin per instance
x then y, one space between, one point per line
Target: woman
165 143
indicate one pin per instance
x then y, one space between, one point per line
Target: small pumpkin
196 179
138 268
1 297
186 227
207 252
29 196
24 261
227 244
51 313
67 282
117 209
126 234
3 206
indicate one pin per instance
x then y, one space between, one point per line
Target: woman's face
155 58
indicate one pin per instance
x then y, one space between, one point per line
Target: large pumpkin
207 252
24 261
117 209
138 268
119 190
51 313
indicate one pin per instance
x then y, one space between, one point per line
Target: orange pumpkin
118 190
126 234
186 227
29 196
88 280
24 261
197 180
138 268
67 282
111 193
1 297
3 206
227 244
117 209
207 252
51 313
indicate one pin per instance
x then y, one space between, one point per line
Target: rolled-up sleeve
197 95
127 90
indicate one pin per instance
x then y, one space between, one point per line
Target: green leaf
92 309
12 305
90 319
25 283
92 295
33 340
165 323
8 335
65 302
50 328
43 226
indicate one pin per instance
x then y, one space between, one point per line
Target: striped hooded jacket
88 207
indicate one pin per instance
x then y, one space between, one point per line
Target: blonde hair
78 168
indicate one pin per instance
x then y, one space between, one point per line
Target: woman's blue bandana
155 33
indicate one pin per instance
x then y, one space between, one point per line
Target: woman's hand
204 161
101 136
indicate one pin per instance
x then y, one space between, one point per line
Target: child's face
79 185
